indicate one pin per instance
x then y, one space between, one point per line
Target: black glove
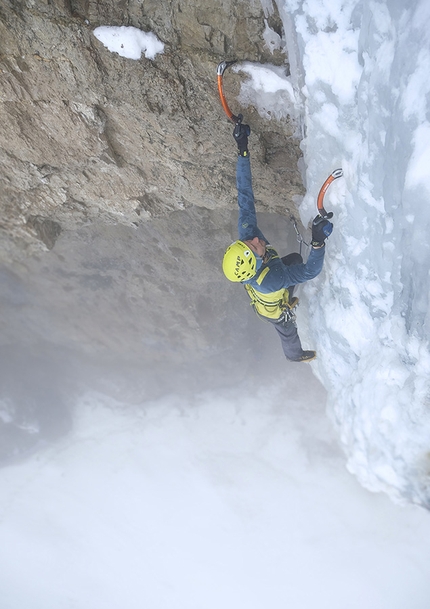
240 134
321 229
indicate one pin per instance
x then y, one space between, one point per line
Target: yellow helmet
239 262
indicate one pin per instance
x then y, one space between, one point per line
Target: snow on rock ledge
129 42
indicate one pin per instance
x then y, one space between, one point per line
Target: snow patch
129 42
269 89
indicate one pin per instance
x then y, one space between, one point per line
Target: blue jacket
279 276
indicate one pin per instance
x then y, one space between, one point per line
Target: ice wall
359 70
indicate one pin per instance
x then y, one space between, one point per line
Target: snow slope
237 498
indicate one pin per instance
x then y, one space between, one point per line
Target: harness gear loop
289 315
275 306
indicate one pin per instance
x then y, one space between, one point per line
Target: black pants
287 330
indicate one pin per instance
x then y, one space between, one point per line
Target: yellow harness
272 305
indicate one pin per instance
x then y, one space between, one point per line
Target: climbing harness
275 306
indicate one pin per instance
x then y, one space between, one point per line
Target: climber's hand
241 133
321 229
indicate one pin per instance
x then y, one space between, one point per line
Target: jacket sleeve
299 273
278 276
247 224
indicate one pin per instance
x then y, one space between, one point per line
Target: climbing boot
306 356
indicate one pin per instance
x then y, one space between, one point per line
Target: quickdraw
220 72
299 236
288 316
337 173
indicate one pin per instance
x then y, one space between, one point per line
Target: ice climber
252 261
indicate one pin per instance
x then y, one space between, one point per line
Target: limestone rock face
89 136
117 194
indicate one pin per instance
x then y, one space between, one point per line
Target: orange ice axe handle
337 173
220 73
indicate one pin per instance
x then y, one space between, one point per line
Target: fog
135 313
144 466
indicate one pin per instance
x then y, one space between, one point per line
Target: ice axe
220 72
337 173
